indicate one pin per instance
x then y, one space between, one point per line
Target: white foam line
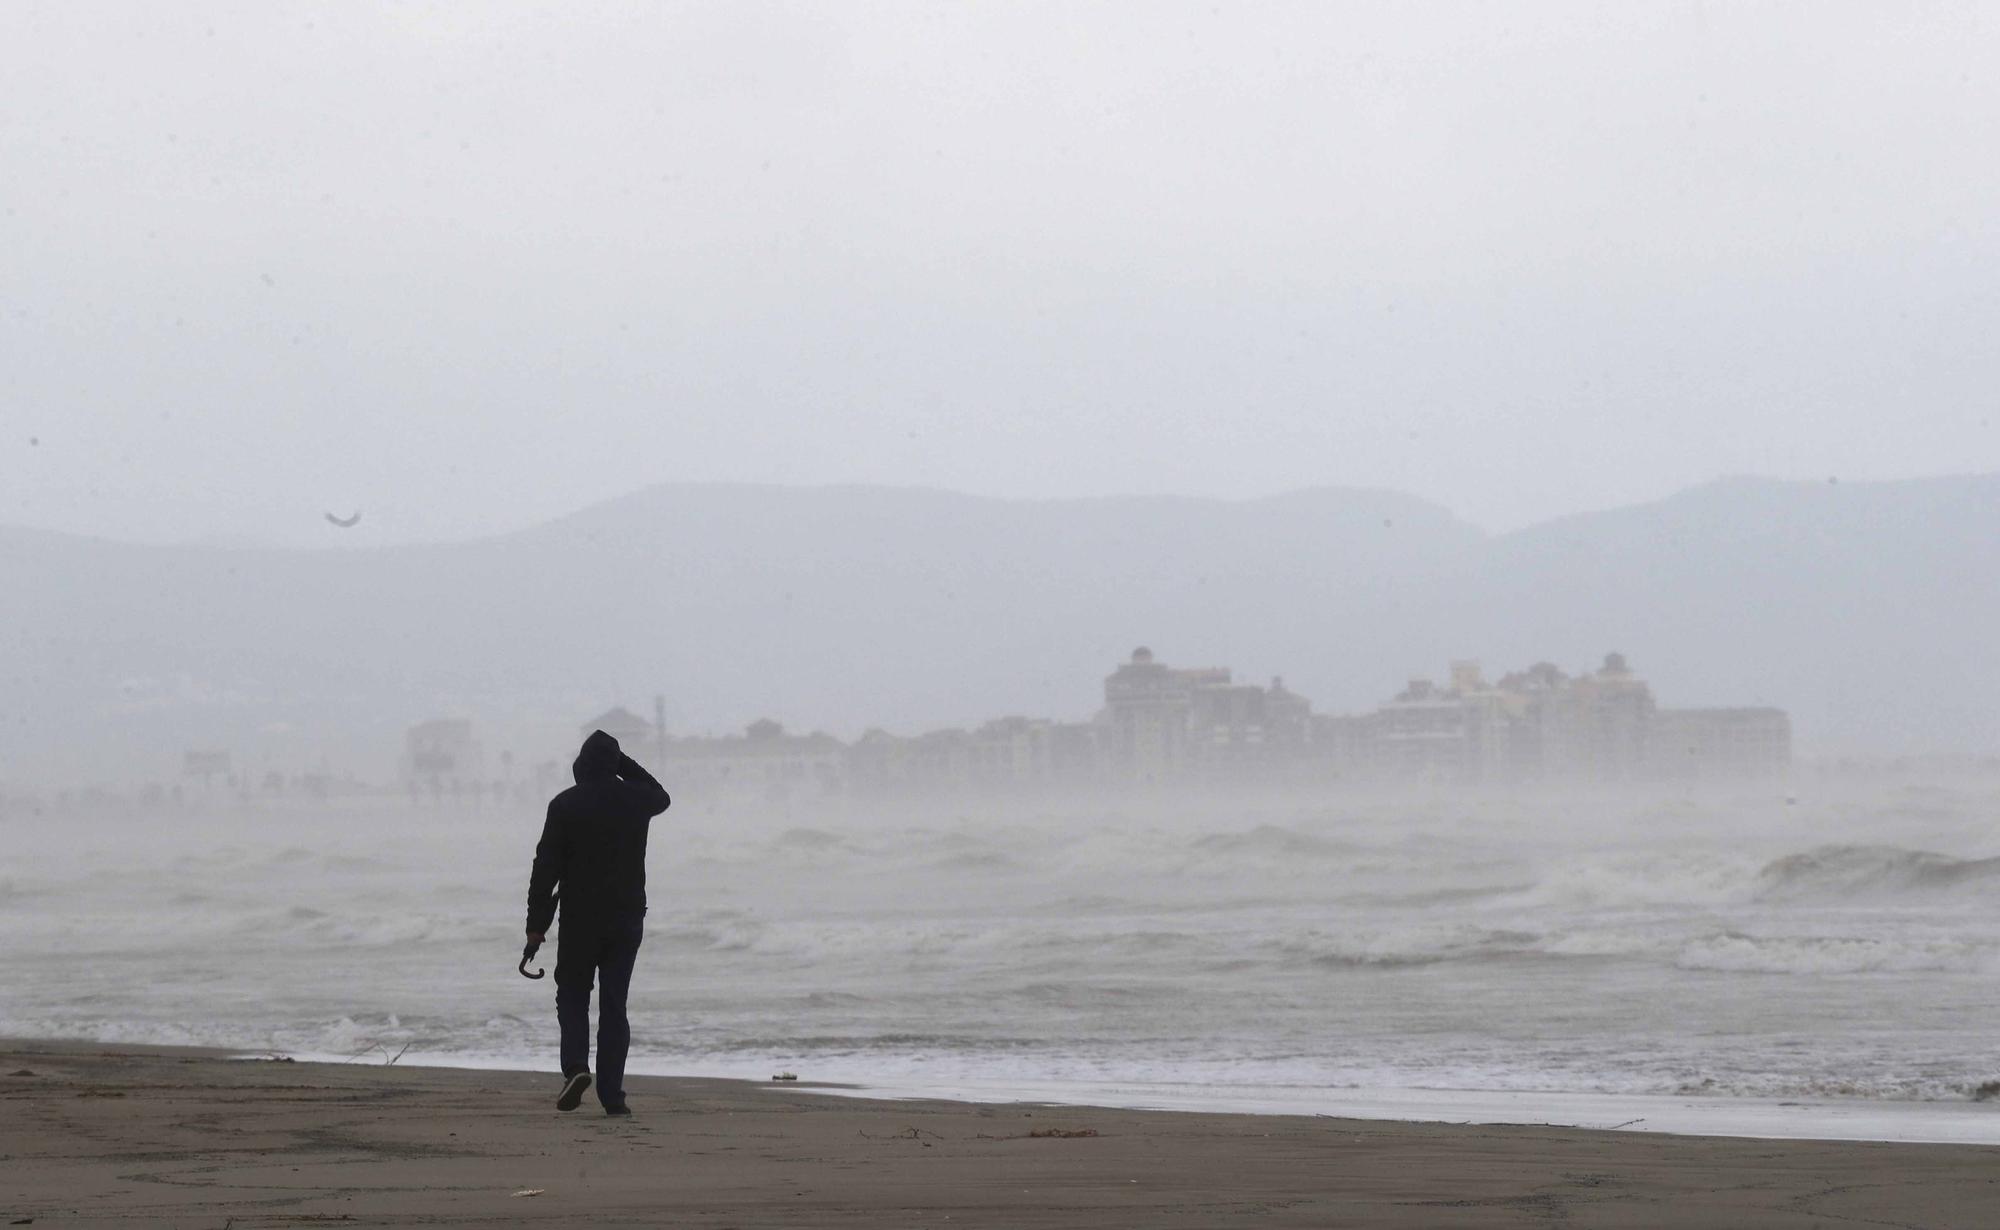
1963 1123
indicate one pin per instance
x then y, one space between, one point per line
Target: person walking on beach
593 856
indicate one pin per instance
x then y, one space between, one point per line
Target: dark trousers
604 952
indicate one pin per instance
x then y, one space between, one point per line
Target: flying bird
347 523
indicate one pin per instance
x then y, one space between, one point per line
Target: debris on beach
20 1072
1049 1133
909 1133
530 1191
1986 1092
1061 1133
786 1076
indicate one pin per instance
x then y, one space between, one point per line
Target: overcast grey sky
468 266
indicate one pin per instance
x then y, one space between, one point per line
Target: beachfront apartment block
766 761
440 753
1541 724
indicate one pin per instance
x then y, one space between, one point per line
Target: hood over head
598 761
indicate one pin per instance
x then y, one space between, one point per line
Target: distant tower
1146 707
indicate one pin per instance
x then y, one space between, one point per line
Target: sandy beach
108 1135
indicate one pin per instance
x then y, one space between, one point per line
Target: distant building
206 765
1603 724
440 752
1538 724
764 760
1544 725
1341 745
880 763
1162 724
1147 705
1011 752
939 760
1239 730
635 734
1429 734
1711 743
1075 755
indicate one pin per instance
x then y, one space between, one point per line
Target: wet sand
96 1135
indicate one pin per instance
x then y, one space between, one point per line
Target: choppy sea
1831 944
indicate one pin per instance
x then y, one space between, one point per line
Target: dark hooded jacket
593 847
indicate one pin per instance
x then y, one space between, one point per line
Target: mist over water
1838 942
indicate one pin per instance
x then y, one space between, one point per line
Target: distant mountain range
1869 610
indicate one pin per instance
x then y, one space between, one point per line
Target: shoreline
1850 1119
109 1135
1802 1119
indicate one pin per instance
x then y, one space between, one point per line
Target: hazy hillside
1864 608
1867 609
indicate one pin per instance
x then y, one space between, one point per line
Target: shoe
572 1094
617 1110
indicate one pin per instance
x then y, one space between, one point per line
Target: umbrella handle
528 953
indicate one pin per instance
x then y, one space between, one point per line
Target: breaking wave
1272 841
1840 872
1833 873
1420 944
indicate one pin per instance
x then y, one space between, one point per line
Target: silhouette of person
593 855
